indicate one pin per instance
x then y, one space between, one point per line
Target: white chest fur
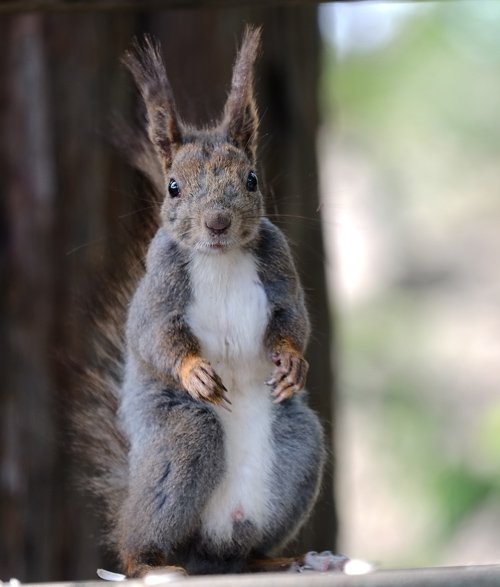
229 314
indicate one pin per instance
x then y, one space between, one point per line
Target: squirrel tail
98 442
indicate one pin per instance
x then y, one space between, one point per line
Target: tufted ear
240 112
163 124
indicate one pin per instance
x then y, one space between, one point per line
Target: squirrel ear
148 70
241 119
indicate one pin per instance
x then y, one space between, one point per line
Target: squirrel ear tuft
241 119
147 68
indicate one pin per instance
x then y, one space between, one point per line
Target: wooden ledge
470 576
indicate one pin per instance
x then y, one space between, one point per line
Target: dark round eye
173 188
252 181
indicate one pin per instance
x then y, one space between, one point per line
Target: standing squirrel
215 459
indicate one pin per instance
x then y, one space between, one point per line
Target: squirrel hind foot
155 568
321 562
275 564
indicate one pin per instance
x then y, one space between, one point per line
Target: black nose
218 223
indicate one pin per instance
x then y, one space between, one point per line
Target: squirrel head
212 199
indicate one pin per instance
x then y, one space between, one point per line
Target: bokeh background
410 170
380 153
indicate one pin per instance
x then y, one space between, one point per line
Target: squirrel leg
298 441
174 465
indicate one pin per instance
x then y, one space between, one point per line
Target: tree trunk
67 199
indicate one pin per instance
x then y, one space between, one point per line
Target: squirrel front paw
201 381
289 375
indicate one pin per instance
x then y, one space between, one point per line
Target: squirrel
207 455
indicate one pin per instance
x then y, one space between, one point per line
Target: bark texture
68 200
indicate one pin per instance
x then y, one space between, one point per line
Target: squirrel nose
218 223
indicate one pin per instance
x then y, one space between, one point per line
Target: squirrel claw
289 375
223 402
283 394
201 381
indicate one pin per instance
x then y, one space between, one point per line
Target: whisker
84 245
137 211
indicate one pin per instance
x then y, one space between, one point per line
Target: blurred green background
410 172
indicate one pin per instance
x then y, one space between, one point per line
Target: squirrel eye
252 181
173 188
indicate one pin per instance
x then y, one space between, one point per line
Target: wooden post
27 451
67 199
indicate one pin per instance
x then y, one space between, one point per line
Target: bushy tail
99 442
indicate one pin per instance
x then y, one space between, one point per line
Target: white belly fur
229 314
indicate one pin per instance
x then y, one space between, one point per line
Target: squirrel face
212 196
213 201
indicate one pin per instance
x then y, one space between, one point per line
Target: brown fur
164 128
240 113
289 377
200 380
94 406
